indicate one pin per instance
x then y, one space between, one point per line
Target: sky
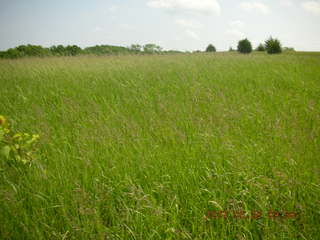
185 25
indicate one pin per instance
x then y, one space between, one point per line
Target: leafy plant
244 46
16 147
273 46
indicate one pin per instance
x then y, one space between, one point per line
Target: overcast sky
172 24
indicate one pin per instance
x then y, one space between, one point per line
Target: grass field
144 147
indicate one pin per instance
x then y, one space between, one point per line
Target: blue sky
173 24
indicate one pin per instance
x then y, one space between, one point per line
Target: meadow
188 146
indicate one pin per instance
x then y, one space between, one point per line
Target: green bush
273 46
244 46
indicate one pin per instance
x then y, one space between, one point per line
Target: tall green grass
142 147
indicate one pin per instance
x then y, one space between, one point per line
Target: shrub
211 48
273 46
260 48
244 46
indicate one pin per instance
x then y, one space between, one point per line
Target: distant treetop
210 48
244 46
273 46
260 48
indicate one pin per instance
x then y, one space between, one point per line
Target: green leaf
5 151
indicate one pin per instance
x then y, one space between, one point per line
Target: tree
260 48
73 50
211 48
12 53
70 50
135 48
244 46
152 48
231 49
106 50
273 46
26 51
58 50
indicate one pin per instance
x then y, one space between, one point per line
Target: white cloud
235 33
127 27
236 24
188 23
192 34
312 7
201 6
97 29
286 3
113 8
255 6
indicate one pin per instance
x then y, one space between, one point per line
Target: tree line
74 50
271 46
